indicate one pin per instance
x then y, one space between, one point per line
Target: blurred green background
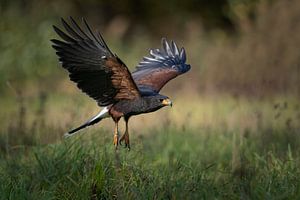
236 46
237 109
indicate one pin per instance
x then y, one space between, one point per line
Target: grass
217 147
168 164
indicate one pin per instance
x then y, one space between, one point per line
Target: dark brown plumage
104 77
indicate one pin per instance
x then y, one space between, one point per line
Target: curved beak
167 102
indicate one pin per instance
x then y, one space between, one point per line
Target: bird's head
161 101
156 102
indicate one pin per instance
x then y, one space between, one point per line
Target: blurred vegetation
237 46
233 132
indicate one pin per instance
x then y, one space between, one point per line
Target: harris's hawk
103 76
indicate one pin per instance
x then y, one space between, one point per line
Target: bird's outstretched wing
96 70
164 64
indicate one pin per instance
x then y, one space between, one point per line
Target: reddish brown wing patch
121 80
157 79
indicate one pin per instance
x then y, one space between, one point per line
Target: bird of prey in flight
103 76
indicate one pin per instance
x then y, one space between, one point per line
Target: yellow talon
116 140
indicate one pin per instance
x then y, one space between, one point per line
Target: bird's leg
125 136
116 135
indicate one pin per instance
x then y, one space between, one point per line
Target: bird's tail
101 115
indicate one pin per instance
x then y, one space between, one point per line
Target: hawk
103 76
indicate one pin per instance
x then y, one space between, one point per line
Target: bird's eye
161 100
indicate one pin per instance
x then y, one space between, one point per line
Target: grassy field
168 164
227 148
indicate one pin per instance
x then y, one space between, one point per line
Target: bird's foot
125 137
116 140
